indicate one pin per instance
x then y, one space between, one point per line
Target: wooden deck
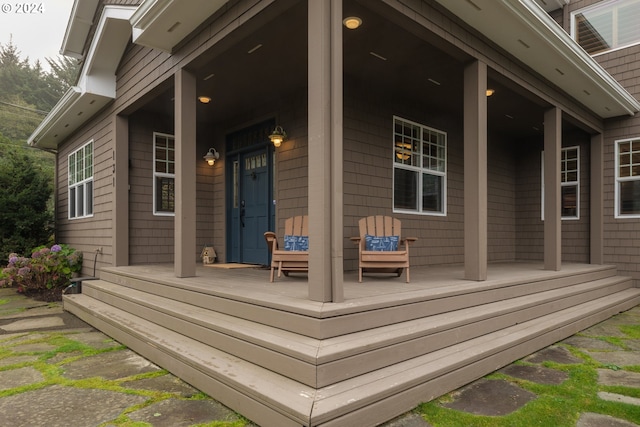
267 351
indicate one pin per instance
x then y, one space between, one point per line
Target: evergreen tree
25 190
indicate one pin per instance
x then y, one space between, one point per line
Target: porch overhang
162 24
528 33
96 85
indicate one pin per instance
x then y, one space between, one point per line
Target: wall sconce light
211 156
277 136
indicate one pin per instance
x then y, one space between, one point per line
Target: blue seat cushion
296 243
381 243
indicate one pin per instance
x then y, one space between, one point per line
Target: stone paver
44 322
554 354
536 374
590 419
19 377
14 360
614 397
617 358
110 366
165 383
182 413
589 342
619 378
59 406
490 397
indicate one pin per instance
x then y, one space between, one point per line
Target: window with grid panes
607 25
419 168
164 174
80 171
569 183
627 191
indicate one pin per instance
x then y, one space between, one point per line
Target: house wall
621 235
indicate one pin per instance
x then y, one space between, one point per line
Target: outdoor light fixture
211 156
277 136
204 99
490 92
352 22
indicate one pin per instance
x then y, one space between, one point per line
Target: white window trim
420 170
564 184
595 7
618 180
160 175
82 183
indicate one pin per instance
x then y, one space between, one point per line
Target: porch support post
475 171
325 151
185 176
120 228
552 213
596 197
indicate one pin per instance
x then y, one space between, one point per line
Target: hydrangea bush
46 269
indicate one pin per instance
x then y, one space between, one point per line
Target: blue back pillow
296 243
381 243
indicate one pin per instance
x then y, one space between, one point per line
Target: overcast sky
37 32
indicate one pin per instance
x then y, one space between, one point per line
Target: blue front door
250 205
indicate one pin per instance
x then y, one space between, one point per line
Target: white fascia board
526 31
97 83
574 54
78 27
162 24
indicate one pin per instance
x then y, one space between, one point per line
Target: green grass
68 350
555 405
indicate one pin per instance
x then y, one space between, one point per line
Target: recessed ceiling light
253 49
490 92
204 99
352 22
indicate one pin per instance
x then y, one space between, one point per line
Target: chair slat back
297 225
380 225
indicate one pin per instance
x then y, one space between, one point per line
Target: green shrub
47 269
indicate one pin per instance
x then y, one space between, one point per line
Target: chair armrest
272 240
410 239
355 240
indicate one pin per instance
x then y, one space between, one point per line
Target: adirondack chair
381 247
294 256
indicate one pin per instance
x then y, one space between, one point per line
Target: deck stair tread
323 351
298 400
270 388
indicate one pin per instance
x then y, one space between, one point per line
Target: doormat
232 265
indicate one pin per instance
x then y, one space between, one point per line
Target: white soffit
97 83
162 24
551 5
78 27
526 31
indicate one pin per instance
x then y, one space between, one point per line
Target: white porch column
552 211
325 151
596 197
475 171
185 177
120 228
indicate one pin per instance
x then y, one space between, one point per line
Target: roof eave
528 33
97 83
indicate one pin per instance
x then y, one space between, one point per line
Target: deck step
320 363
211 370
280 377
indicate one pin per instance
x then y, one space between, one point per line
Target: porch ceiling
388 58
